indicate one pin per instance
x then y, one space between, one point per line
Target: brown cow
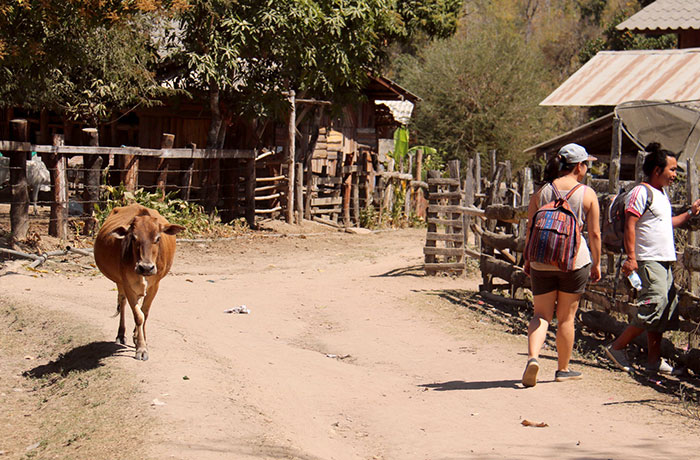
135 248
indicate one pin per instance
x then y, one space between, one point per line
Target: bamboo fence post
167 141
477 193
291 155
58 218
19 208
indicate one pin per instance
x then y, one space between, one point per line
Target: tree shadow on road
82 358
416 271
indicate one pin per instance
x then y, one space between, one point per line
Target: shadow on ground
414 270
588 348
82 358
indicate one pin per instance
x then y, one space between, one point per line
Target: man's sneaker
563 376
530 374
618 357
662 367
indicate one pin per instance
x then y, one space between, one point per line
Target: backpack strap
571 192
650 198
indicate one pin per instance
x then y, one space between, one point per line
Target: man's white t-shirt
654 229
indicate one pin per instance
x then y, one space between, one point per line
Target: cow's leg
135 296
121 311
147 301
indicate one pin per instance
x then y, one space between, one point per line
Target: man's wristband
690 212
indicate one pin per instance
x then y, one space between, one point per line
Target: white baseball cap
574 153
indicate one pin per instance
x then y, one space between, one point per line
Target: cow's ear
173 229
120 232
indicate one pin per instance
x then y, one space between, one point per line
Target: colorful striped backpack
555 234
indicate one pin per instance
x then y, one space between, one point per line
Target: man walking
651 251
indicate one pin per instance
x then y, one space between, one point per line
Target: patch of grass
192 216
60 397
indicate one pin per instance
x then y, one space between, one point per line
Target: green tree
480 91
242 56
81 57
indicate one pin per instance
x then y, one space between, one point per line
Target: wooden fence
232 182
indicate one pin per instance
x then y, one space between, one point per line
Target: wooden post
291 155
356 196
477 193
453 167
250 192
694 277
93 168
638 166
432 226
167 141
299 192
309 185
19 208
347 186
615 155
187 175
614 172
211 184
58 220
494 164
229 189
468 198
130 175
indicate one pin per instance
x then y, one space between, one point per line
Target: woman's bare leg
567 304
544 305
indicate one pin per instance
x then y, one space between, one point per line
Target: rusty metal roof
613 77
665 15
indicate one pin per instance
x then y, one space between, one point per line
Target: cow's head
141 241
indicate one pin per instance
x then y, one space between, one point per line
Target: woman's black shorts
544 281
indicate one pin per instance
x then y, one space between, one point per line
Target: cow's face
142 242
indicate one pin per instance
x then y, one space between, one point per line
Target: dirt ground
348 352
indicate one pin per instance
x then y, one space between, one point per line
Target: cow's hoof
121 340
142 355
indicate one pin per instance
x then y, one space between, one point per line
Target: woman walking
555 290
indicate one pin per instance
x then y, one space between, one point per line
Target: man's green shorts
657 303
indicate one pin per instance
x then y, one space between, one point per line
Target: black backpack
613 232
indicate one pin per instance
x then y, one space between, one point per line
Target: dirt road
349 352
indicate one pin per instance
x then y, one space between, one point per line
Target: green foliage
613 39
82 58
480 91
190 215
400 144
253 51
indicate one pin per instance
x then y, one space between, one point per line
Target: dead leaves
534 424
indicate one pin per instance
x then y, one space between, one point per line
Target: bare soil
348 352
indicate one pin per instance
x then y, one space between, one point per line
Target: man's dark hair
557 166
656 158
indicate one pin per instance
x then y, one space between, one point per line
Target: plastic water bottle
635 280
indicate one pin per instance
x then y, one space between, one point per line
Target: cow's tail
118 311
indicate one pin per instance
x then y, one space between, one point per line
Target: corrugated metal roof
400 110
613 77
665 15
